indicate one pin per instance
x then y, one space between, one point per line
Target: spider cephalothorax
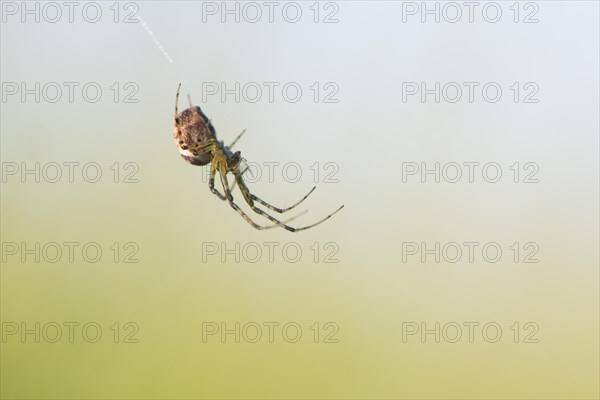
197 141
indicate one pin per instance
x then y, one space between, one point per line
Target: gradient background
369 133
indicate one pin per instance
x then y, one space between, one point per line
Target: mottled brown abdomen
193 132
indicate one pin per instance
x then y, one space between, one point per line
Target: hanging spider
197 141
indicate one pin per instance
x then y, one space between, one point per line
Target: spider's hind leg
281 210
223 174
264 203
250 200
211 181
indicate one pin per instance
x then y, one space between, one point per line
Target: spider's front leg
236 139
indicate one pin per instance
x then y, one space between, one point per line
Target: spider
197 141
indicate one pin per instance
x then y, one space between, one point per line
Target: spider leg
235 182
177 112
211 181
248 197
211 185
223 174
269 206
285 221
277 209
236 139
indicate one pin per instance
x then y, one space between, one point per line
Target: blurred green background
168 221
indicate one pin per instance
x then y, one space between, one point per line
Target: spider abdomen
193 132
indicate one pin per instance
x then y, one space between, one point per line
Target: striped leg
248 197
211 181
277 209
223 174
